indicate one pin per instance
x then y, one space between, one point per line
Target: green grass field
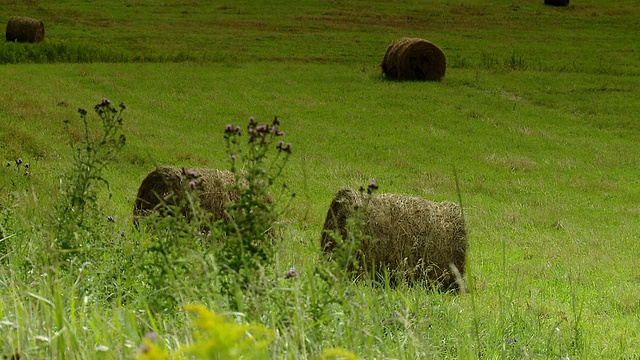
537 117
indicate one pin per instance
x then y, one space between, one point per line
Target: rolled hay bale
412 238
166 187
24 29
556 2
414 59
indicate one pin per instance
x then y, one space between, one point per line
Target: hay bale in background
414 59
413 238
557 2
24 29
166 186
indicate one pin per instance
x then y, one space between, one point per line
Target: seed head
373 186
190 172
291 273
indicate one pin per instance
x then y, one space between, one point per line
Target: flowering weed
257 161
78 211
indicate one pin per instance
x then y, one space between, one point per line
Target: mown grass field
537 116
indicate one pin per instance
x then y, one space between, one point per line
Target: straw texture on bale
24 29
414 59
165 186
557 2
413 238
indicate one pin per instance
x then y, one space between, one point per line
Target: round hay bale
166 186
556 2
24 29
413 238
414 59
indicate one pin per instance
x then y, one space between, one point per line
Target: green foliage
540 122
19 175
215 337
177 257
78 211
257 162
347 254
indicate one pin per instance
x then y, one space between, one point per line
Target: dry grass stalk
166 186
414 59
414 239
24 29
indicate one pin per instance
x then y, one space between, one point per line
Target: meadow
534 129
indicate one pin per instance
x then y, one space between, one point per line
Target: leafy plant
78 211
257 162
215 337
19 176
347 252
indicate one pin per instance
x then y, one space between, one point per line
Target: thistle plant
95 150
348 251
257 158
19 176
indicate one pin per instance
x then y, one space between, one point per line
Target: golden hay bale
24 29
414 59
557 2
167 185
410 237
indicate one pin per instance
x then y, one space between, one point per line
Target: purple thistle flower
233 157
262 128
238 128
110 218
229 128
192 185
19 161
8 163
373 186
281 133
190 172
26 173
274 131
151 335
26 165
105 102
291 273
287 148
